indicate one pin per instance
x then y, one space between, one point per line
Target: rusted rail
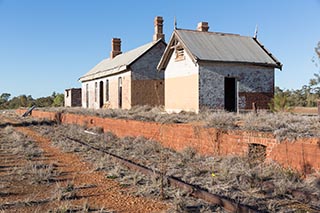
193 190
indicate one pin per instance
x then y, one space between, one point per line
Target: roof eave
164 60
277 62
241 62
101 74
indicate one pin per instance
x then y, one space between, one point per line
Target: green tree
280 102
55 99
14 103
23 101
30 100
317 49
58 101
44 101
4 97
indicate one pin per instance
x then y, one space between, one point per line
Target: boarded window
257 152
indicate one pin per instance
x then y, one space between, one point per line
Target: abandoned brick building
216 70
72 97
127 79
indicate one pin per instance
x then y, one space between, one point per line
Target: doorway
101 94
230 94
120 92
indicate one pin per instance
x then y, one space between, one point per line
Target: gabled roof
219 47
118 64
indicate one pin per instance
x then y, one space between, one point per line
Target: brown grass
28 179
282 125
268 187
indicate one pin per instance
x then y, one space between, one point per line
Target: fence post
254 107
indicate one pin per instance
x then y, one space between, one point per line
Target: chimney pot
158 28
203 26
115 47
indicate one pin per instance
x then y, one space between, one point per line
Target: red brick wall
302 154
262 99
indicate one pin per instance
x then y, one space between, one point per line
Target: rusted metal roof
221 47
118 64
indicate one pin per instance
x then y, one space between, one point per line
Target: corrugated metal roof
209 46
118 64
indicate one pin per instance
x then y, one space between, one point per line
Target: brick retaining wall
302 154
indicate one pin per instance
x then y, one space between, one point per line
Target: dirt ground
68 184
42 170
305 110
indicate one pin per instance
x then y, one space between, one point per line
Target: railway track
193 190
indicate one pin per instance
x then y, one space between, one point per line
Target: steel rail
193 190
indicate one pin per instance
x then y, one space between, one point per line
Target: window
120 92
107 90
179 53
67 93
95 91
87 95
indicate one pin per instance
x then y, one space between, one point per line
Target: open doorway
230 94
101 94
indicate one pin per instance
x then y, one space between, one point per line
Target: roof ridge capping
208 32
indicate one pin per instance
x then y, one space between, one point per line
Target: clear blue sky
46 45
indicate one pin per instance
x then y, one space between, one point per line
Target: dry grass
85 207
268 187
282 125
29 180
67 192
42 173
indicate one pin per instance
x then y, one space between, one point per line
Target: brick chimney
158 28
115 47
203 26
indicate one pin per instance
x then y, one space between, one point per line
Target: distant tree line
307 96
54 100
